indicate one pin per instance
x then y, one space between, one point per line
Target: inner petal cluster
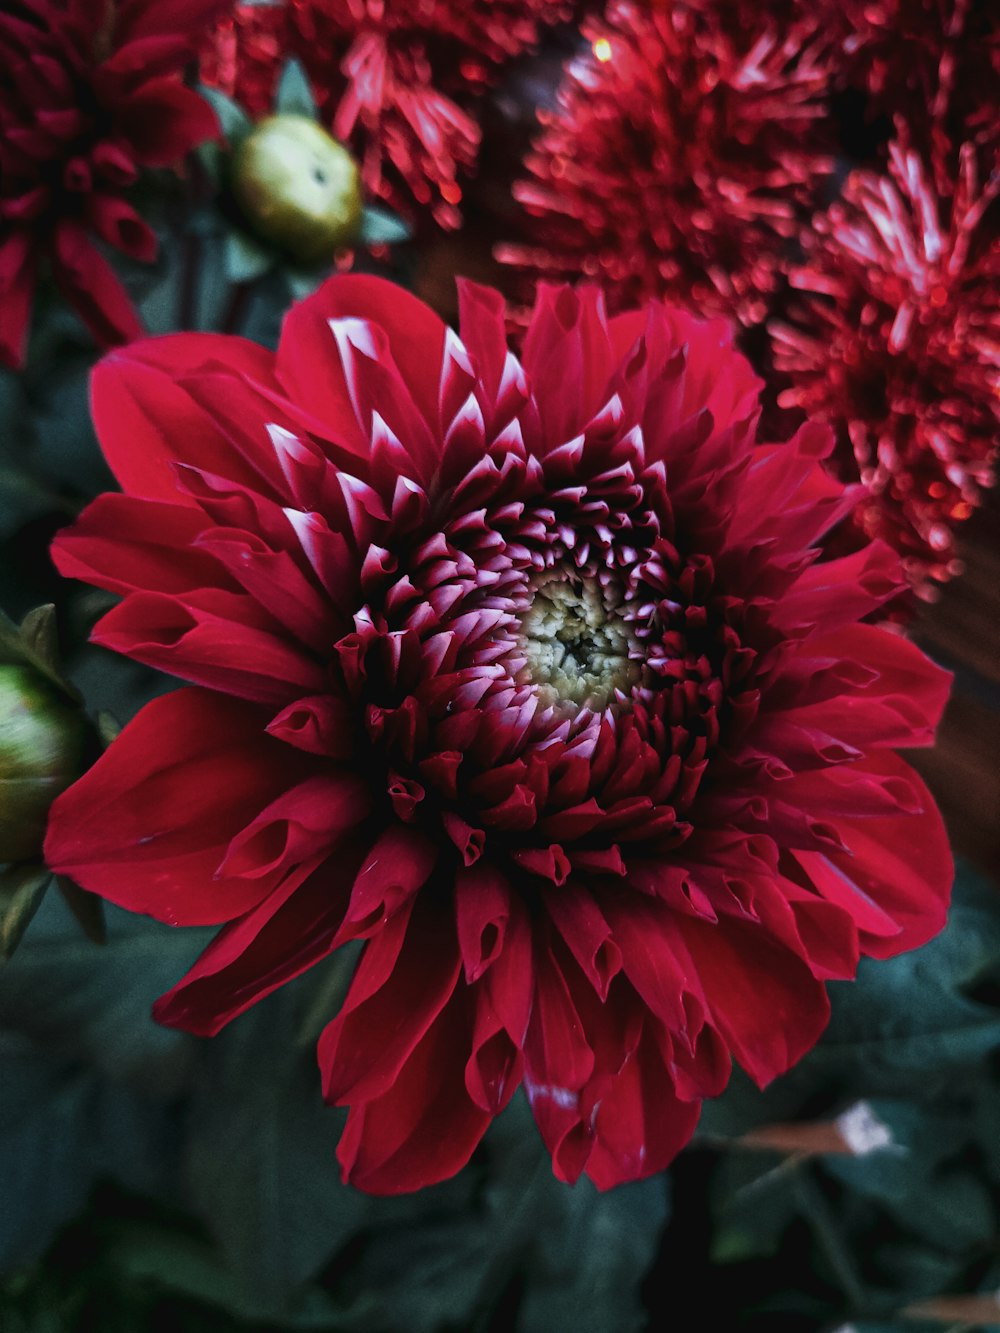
577 647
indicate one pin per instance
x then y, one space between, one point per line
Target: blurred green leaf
593 1258
246 259
909 1019
381 227
22 498
88 909
303 282
260 1155
62 1126
94 1004
294 96
233 120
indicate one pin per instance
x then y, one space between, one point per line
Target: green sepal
108 728
381 227
246 259
302 282
294 96
233 120
33 643
86 907
22 888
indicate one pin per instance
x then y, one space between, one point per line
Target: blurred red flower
91 92
394 79
896 342
524 673
687 146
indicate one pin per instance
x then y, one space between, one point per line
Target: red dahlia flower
525 674
91 92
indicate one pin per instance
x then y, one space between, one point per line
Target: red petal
148 825
17 289
146 423
190 639
425 1127
309 366
902 863
288 932
91 286
763 999
164 120
482 910
640 1125
362 1051
124 544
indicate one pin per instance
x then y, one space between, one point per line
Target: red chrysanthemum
525 674
393 77
898 346
91 91
245 53
936 62
680 157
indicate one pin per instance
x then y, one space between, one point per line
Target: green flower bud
297 188
42 740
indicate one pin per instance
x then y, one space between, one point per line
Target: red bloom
91 92
935 62
393 77
680 157
897 344
524 674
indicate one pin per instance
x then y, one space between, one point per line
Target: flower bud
41 751
297 188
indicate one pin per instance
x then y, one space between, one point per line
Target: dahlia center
576 644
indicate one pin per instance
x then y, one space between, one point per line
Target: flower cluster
526 674
394 78
91 93
897 344
685 150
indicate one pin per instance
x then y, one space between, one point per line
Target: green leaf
214 161
62 1126
93 1004
594 1259
909 1019
754 1200
108 727
380 227
233 120
294 96
38 630
88 909
246 259
22 889
260 1158
22 498
303 282
175 1262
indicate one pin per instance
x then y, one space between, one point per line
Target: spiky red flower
935 62
91 92
245 52
525 674
898 346
680 157
393 77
